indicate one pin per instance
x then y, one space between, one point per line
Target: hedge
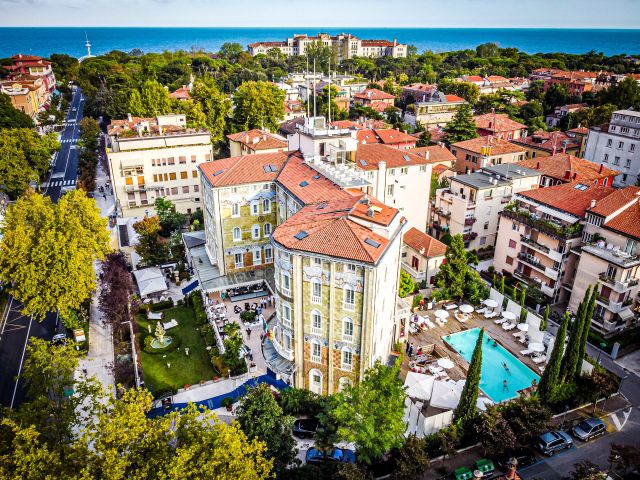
248 316
155 307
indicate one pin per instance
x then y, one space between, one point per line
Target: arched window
266 205
316 291
349 298
267 229
347 359
316 322
315 381
347 330
316 351
237 234
255 232
343 383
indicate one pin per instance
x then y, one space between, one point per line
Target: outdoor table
463 473
485 465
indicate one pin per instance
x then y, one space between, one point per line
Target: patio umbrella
508 315
446 363
490 303
536 347
441 313
420 386
466 308
523 327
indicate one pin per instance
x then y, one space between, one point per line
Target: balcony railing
470 220
546 226
442 213
316 299
347 367
534 244
531 260
467 237
616 284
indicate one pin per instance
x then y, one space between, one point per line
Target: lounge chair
508 326
429 323
526 352
490 315
482 310
500 321
523 340
540 359
541 369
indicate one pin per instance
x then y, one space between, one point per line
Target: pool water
493 372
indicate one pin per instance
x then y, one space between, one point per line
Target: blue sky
324 13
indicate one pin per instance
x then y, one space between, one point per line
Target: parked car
59 339
589 428
305 427
525 457
336 455
550 442
244 351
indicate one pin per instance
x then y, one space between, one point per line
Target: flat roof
504 174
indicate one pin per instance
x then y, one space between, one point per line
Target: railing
534 244
349 306
545 226
316 299
617 284
531 260
283 351
316 330
414 273
469 236
347 338
346 367
470 220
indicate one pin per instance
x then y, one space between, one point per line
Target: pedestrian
504 385
406 348
250 357
249 332
410 351
422 304
104 195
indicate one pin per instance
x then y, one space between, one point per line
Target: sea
44 41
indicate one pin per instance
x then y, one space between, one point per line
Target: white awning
567 217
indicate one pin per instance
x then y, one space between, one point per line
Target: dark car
305 428
59 339
550 442
589 428
336 455
524 457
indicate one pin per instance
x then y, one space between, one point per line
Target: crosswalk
62 183
67 140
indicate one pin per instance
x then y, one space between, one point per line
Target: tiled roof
497 79
391 136
268 44
617 200
290 127
627 222
497 123
420 87
428 246
371 209
454 98
437 153
498 146
119 127
439 168
373 94
326 229
260 167
377 43
307 184
548 140
368 157
557 166
367 136
473 78
380 106
258 140
579 130
569 197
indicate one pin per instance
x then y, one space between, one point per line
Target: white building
617 145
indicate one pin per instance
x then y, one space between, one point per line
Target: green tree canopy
10 117
258 105
149 248
462 127
551 374
214 104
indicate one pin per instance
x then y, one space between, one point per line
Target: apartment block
564 168
472 203
156 157
545 144
436 109
617 145
480 152
255 141
499 126
422 255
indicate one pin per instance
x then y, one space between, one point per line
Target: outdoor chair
508 326
481 310
450 306
429 323
540 359
518 334
463 473
526 352
500 321
490 315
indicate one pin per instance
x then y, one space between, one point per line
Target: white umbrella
421 387
508 315
446 363
466 308
441 313
536 347
523 327
490 303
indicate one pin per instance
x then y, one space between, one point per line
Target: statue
160 333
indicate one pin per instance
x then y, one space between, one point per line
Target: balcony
611 305
534 244
440 212
531 260
416 275
135 188
617 285
467 237
565 232
285 353
612 255
470 220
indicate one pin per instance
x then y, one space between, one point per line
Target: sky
324 13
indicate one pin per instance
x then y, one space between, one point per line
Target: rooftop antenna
306 73
314 88
329 90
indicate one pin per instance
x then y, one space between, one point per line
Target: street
15 328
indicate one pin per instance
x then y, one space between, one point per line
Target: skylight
270 168
301 235
373 243
316 177
363 163
304 183
219 172
406 158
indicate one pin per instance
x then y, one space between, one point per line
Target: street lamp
602 346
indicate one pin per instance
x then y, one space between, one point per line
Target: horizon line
322 27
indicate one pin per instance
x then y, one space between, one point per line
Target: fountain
161 339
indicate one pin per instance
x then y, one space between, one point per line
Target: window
631 247
316 291
207 157
514 226
390 190
483 240
316 322
196 188
486 225
255 208
286 314
237 234
609 142
347 330
317 262
184 175
194 173
174 190
349 267
349 298
632 147
286 283
628 164
315 381
606 158
316 352
257 257
255 232
512 244
185 189
235 210
347 360
267 229
268 255
616 161
238 259
171 160
404 170
620 145
182 160
266 205
193 159
509 260
423 168
172 176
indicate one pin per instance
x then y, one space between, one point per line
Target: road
15 328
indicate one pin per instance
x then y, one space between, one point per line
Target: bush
297 401
169 348
198 307
156 307
208 335
416 300
248 317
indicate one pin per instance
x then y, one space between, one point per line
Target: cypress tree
570 360
502 285
586 326
466 409
551 376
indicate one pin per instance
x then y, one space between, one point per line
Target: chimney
538 166
567 174
370 212
426 154
593 203
601 168
575 175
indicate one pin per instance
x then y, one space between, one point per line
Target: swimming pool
493 372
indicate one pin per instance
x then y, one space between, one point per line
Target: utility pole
314 88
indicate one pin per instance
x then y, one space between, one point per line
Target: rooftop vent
270 168
301 235
304 183
316 177
373 243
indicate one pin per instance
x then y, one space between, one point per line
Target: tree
258 105
231 50
170 220
462 127
370 413
502 284
624 457
584 333
150 250
455 279
545 319
406 286
10 117
571 363
424 140
411 459
556 95
466 409
495 431
261 418
154 99
48 250
527 417
215 106
116 291
587 470
551 375
532 114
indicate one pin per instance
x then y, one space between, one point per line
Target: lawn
184 370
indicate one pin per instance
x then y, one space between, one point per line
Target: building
23 97
471 204
617 144
33 66
438 109
493 83
417 92
183 93
156 157
255 141
480 152
499 125
436 154
544 144
553 120
564 168
539 233
387 136
345 45
610 258
375 99
577 82
422 255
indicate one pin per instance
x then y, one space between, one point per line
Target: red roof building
499 125
565 168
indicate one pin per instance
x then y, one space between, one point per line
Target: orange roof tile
258 140
367 136
548 141
568 198
617 200
261 167
498 146
557 166
627 222
497 123
391 136
380 106
369 156
454 98
372 210
580 130
428 246
437 153
373 94
181 93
